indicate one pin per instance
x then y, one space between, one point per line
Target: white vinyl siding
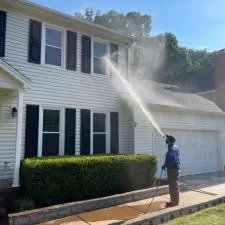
147 139
8 99
58 87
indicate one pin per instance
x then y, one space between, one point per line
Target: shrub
53 180
23 204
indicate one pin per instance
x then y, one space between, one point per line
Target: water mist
130 90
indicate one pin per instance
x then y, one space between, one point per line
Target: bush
54 180
22 204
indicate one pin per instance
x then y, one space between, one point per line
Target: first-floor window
99 133
51 132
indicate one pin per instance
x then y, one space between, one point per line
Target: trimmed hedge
54 180
22 204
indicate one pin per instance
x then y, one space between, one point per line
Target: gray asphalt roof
172 96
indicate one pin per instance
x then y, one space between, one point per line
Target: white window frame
61 128
93 40
107 130
63 45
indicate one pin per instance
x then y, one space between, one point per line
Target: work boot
170 204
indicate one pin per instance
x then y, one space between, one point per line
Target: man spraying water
172 164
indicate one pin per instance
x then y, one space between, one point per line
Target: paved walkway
135 209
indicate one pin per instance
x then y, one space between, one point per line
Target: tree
132 23
157 58
89 15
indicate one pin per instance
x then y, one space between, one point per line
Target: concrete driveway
211 183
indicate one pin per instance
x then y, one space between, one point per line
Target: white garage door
199 152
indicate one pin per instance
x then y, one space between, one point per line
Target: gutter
187 110
25 3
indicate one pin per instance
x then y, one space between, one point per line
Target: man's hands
163 167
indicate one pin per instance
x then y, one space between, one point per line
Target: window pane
99 122
51 120
99 49
99 145
53 37
50 145
99 66
53 56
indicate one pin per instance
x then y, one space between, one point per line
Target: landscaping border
63 210
165 215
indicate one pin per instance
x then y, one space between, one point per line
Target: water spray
143 108
134 95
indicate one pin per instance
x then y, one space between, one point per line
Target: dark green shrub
22 204
53 180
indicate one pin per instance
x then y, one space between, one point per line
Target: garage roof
172 96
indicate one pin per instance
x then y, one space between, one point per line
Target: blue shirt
172 157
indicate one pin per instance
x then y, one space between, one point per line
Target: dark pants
173 176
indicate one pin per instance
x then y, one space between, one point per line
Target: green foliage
210 216
52 180
132 23
22 204
174 64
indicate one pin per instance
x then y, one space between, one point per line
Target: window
53 47
100 50
99 133
123 62
51 132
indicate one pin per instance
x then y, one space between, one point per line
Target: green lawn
211 216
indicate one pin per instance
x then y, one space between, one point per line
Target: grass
211 216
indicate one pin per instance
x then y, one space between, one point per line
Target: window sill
53 67
103 76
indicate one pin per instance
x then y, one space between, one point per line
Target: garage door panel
198 150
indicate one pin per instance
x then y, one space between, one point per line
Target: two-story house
57 96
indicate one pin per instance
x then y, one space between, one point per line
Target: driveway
211 183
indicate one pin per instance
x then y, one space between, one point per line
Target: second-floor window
100 50
53 47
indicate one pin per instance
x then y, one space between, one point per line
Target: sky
198 24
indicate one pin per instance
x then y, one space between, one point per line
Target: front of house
57 96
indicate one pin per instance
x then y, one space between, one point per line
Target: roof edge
15 73
70 17
187 110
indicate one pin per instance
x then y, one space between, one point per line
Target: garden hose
156 191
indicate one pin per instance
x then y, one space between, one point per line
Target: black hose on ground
156 191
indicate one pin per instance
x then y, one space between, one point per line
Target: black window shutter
31 139
70 131
85 54
85 133
114 132
34 53
2 32
114 50
71 54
